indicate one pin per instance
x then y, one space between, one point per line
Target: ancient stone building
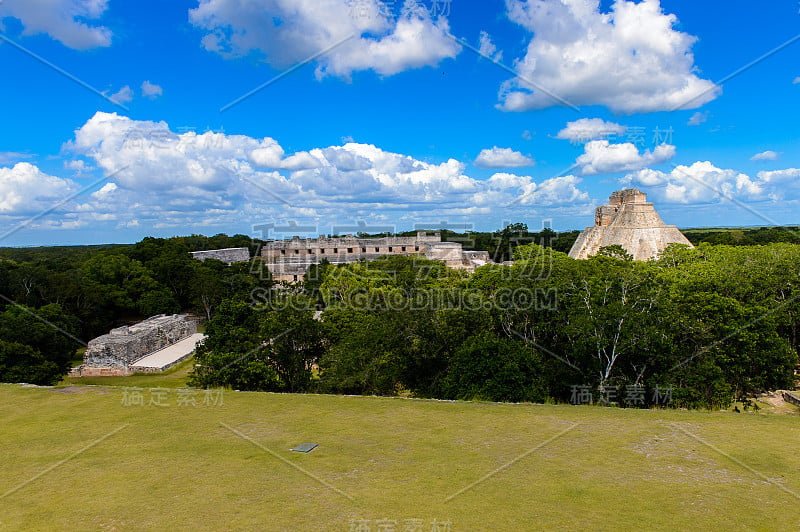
229 255
631 222
118 352
288 260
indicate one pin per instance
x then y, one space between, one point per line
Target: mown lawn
227 466
174 377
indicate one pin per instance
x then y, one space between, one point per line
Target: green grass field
174 377
78 458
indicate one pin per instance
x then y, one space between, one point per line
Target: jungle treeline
712 325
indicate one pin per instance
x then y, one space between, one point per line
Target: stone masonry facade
114 353
229 255
631 222
288 260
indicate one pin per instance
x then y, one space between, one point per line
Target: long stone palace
289 260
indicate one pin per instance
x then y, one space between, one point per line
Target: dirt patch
676 458
776 404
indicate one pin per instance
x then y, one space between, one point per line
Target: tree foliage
100 287
36 346
716 323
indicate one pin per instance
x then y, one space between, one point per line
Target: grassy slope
179 468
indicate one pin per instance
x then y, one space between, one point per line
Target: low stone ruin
114 353
229 255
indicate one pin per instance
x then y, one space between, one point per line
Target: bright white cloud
505 189
164 179
600 157
285 32
24 189
504 181
502 158
63 20
105 192
789 177
146 156
768 155
557 190
697 119
124 95
630 60
587 129
488 48
702 182
151 90
78 166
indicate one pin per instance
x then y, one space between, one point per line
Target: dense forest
69 295
713 324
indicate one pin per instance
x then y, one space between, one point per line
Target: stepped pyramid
631 222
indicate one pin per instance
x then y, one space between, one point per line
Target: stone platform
229 255
164 359
122 351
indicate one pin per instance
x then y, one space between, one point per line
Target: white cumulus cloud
285 32
702 182
63 20
601 157
781 179
556 190
630 59
587 129
503 181
25 189
502 158
162 179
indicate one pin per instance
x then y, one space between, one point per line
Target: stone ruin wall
791 398
448 252
89 371
125 345
289 260
343 249
476 259
229 255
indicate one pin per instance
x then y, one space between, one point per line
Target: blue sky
400 123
